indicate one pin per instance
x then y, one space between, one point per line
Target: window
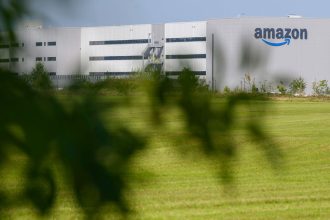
4 46
186 56
22 44
96 73
14 60
39 59
177 73
52 43
52 73
38 44
109 42
22 59
118 73
186 39
51 58
44 43
4 60
14 45
116 58
110 73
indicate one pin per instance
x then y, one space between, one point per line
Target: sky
82 13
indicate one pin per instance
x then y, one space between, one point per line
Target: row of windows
60 77
186 56
51 43
110 42
7 60
13 60
12 45
116 58
110 73
48 59
185 39
176 73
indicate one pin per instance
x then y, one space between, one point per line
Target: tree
281 88
320 87
298 86
39 78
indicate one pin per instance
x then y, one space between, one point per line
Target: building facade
221 52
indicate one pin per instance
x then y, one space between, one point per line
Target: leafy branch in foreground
73 136
212 125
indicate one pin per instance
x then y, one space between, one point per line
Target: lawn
168 181
172 184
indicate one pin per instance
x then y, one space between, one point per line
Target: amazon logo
277 37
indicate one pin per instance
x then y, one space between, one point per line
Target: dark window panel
116 58
14 45
110 73
52 43
4 60
186 56
38 58
51 58
14 60
176 73
186 39
111 42
38 44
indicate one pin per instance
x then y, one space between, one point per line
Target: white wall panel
179 64
129 32
185 29
186 48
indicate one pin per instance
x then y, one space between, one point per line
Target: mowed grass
173 183
170 180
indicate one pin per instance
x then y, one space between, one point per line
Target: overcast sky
119 12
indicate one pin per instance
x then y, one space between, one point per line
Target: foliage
254 88
226 90
281 88
248 82
93 157
212 125
321 87
297 86
39 78
11 12
74 136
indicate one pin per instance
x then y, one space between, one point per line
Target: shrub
281 88
254 88
320 87
298 86
226 90
39 78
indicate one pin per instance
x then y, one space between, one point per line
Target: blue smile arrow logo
277 44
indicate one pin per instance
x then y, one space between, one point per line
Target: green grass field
179 185
170 182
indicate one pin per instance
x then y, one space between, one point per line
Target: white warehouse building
219 51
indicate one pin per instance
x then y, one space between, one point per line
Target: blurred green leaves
211 124
11 12
73 135
95 157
